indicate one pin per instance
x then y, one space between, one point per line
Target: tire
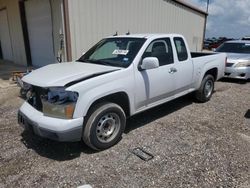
104 126
204 93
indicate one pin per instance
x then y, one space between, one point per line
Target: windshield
118 52
243 48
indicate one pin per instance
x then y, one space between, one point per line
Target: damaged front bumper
68 130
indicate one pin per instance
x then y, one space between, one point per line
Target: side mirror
149 63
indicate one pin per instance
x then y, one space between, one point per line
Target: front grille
229 64
35 99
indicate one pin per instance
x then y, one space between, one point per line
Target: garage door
39 23
5 36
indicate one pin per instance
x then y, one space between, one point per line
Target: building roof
190 6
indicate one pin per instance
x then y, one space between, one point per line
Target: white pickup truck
120 76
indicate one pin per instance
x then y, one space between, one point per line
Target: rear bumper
66 130
239 73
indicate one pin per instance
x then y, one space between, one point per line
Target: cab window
181 49
162 50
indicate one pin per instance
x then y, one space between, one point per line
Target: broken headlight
59 103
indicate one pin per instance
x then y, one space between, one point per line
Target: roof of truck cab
145 35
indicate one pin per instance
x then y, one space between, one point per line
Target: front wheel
204 93
104 126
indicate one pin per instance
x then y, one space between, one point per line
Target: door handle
172 70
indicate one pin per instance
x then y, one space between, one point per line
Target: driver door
155 86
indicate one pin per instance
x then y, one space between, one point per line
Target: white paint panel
91 20
5 36
39 23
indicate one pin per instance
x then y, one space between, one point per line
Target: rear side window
181 49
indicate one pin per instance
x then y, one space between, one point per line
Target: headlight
59 103
26 86
243 64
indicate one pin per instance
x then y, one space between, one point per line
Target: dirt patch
194 145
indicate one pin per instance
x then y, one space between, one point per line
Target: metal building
40 32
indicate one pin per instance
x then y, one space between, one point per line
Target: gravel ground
194 145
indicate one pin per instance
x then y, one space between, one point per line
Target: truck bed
200 54
207 61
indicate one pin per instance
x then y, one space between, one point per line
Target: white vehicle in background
238 58
120 76
245 38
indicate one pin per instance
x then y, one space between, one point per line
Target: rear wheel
104 126
204 93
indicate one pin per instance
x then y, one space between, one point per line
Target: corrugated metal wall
91 20
15 28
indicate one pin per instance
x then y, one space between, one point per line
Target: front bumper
239 73
66 130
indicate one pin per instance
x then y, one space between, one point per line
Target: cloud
228 18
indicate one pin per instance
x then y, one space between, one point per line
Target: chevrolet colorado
89 99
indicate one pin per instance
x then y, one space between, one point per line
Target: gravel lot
194 145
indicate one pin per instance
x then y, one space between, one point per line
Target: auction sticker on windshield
120 52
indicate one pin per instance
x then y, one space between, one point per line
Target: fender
91 90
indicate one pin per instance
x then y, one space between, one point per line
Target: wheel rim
108 127
208 89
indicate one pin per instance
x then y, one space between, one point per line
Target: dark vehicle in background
206 44
213 43
238 58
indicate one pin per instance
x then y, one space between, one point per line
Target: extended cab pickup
120 76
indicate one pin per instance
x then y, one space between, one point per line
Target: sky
227 18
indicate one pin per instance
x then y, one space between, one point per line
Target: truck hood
61 74
238 56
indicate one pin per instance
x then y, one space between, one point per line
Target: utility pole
207 5
205 24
